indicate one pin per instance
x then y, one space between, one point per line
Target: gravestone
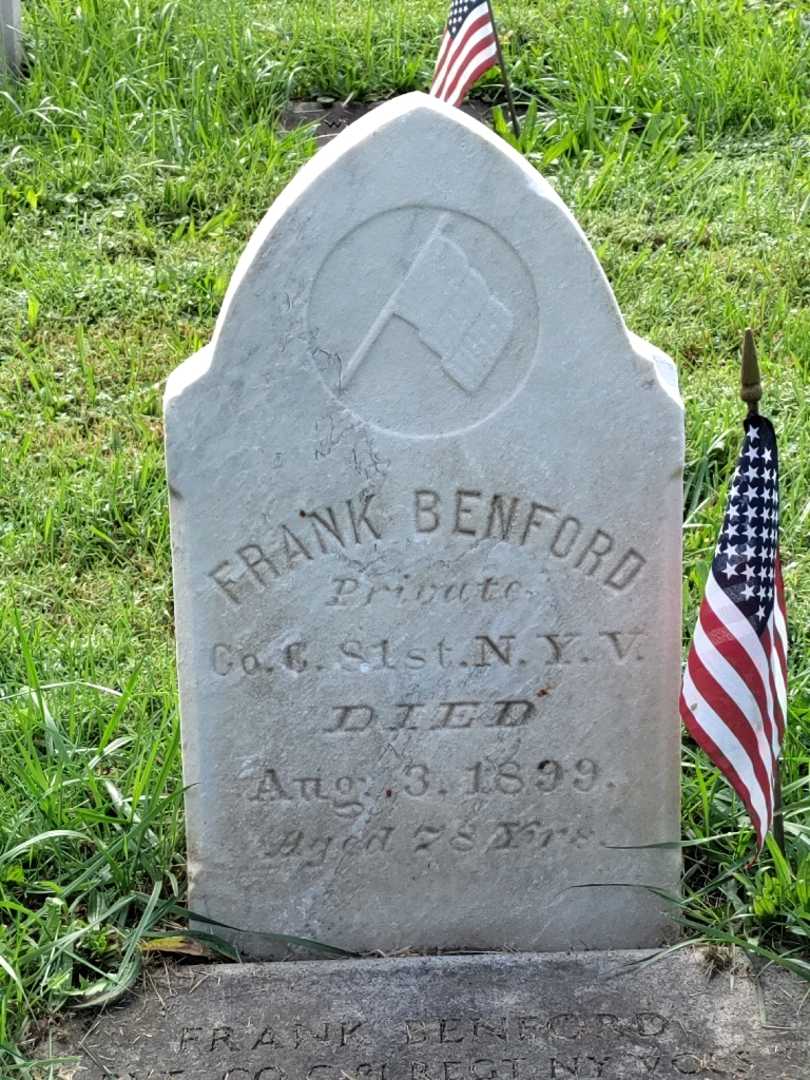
426 524
10 35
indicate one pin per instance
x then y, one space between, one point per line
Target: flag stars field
757 501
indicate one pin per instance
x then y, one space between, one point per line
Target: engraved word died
436 348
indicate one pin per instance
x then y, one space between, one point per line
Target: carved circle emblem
423 322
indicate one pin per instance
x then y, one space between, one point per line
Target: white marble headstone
426 522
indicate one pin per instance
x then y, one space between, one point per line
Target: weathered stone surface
426 505
545 1017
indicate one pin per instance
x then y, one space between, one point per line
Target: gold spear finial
751 388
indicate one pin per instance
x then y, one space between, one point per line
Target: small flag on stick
734 697
469 48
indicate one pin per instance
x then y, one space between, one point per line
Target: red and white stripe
734 698
465 56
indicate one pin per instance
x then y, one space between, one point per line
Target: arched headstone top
420 221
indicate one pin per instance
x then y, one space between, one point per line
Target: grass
134 163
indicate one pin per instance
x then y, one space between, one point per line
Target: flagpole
751 392
506 83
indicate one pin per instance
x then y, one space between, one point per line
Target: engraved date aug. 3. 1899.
350 796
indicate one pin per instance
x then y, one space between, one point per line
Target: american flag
469 47
734 697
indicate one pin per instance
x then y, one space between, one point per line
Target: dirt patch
332 117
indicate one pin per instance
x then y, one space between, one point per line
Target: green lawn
134 163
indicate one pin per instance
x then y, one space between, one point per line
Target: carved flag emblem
451 308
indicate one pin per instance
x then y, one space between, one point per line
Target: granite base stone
484 1017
